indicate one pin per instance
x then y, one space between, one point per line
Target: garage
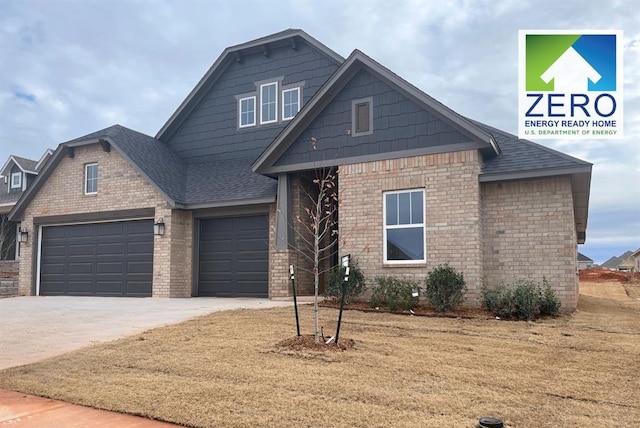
97 259
234 257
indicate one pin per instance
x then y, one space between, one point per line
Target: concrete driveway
34 328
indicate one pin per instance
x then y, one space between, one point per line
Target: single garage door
101 259
234 257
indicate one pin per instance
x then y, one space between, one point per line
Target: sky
71 67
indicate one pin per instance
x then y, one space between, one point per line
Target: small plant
395 293
524 300
355 286
444 288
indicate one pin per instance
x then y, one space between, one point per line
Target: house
584 262
207 206
18 174
636 259
626 265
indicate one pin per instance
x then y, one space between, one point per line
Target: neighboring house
584 262
18 174
636 259
611 263
222 182
626 265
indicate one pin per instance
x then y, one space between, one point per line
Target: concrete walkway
27 411
35 328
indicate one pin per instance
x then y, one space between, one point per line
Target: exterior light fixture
23 234
158 227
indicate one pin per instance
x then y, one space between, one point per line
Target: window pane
91 181
392 209
405 244
417 206
247 111
290 103
268 103
404 208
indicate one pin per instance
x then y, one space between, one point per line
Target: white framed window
247 111
269 103
91 179
290 103
16 180
404 227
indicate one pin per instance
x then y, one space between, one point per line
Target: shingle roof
520 155
583 258
227 181
611 262
26 164
9 198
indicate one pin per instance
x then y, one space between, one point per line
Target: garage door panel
94 259
233 257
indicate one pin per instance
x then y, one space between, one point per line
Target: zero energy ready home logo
570 84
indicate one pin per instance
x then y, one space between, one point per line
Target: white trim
255 111
283 104
39 260
275 100
86 178
403 226
47 152
20 179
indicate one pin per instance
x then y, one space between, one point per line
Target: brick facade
120 187
529 232
452 214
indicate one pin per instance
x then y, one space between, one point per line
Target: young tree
7 237
318 234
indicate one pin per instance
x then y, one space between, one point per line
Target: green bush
523 300
355 286
395 293
444 288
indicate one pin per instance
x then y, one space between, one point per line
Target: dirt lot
227 370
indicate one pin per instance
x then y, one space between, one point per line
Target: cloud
90 64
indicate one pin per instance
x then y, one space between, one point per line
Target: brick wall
452 214
529 232
120 187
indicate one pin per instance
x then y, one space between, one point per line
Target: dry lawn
226 370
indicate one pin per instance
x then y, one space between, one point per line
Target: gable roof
43 159
183 186
583 258
235 53
25 165
357 61
636 253
611 263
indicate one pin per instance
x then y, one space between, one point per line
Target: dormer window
269 103
290 103
247 111
16 180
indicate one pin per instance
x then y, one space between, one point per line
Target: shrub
444 288
355 286
524 300
395 293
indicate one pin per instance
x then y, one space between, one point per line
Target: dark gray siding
15 168
211 130
30 179
398 124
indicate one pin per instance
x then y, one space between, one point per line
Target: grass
226 370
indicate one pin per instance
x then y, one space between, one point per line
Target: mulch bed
420 310
308 342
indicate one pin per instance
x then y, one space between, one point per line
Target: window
247 113
290 103
269 103
404 227
16 180
362 117
91 179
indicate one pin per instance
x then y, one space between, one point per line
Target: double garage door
234 257
100 259
116 258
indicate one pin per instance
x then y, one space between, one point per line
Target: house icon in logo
571 73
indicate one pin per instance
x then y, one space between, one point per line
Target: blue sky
70 67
